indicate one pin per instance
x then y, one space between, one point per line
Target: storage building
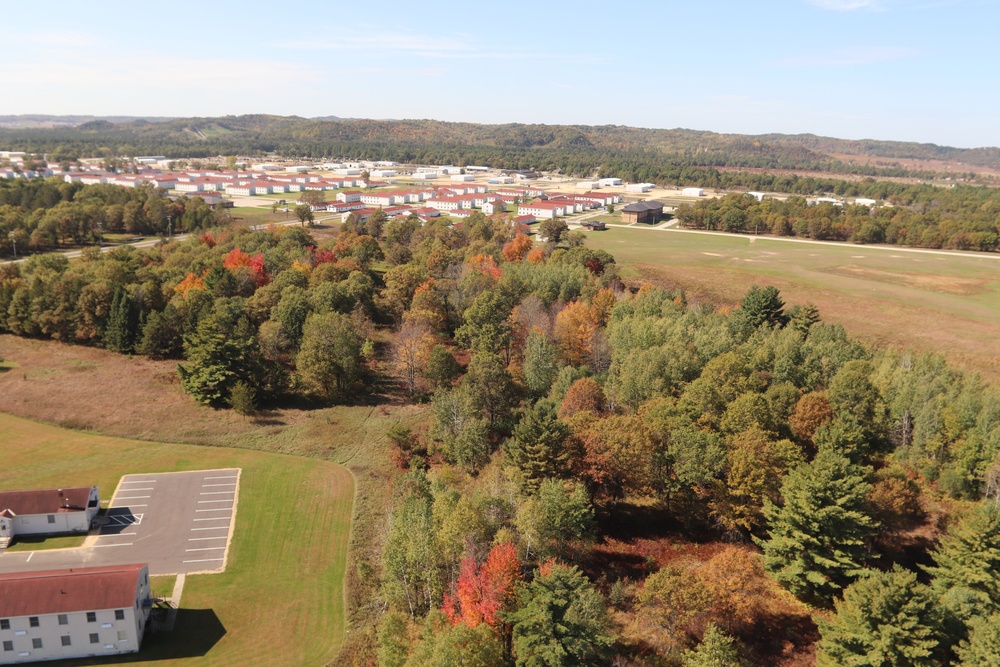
646 212
693 192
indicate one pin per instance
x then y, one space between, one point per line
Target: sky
908 70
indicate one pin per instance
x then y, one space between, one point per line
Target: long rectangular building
47 511
75 613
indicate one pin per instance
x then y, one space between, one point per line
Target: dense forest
850 487
961 218
658 155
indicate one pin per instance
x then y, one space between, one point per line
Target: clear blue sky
914 70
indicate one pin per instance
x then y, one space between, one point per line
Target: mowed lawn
886 296
280 601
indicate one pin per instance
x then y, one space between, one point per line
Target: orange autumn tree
536 256
485 265
237 259
484 593
518 248
191 282
575 327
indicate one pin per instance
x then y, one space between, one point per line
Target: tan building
646 212
75 613
47 511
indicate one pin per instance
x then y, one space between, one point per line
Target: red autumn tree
483 593
584 394
536 256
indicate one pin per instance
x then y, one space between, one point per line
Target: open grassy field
287 560
885 296
65 385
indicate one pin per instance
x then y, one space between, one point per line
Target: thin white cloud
51 38
851 56
846 5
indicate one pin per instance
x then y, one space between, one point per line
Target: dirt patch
930 282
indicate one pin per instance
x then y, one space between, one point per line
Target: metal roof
640 206
65 591
46 501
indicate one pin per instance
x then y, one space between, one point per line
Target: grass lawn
163 585
287 559
43 543
887 296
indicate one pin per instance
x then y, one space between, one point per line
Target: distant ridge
541 145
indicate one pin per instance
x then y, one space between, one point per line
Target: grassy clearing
163 585
887 296
44 543
286 563
55 383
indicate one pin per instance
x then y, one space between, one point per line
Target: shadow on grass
195 633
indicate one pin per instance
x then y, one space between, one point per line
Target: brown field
925 302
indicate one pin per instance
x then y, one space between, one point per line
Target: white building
492 207
298 169
425 175
463 178
610 182
693 192
450 169
860 201
383 173
588 185
47 511
639 187
265 167
476 168
759 196
75 613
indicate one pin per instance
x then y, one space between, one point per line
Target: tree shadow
195 633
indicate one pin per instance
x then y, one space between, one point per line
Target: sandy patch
924 281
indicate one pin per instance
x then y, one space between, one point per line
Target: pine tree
983 647
717 649
967 571
537 445
885 618
243 399
122 328
817 537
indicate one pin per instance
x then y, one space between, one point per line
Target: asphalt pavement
176 522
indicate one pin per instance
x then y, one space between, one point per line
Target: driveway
176 522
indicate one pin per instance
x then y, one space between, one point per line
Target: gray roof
640 206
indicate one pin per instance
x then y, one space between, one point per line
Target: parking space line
118 500
221 509
206 549
202 502
139 481
125 507
226 527
222 477
98 546
115 534
204 486
216 518
202 539
203 560
216 493
148 488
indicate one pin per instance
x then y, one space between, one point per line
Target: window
52 518
122 636
33 621
4 624
94 639
119 614
63 619
36 642
66 641
8 645
91 617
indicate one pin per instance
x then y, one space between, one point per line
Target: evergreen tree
216 360
561 620
441 366
537 447
983 647
886 619
760 305
243 399
717 649
122 328
817 536
967 564
162 335
540 363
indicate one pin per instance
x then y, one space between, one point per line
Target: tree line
557 397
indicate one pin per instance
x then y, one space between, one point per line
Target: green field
281 600
887 296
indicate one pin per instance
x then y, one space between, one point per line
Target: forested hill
576 148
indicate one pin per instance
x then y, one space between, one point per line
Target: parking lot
176 522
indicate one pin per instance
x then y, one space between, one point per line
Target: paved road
176 522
